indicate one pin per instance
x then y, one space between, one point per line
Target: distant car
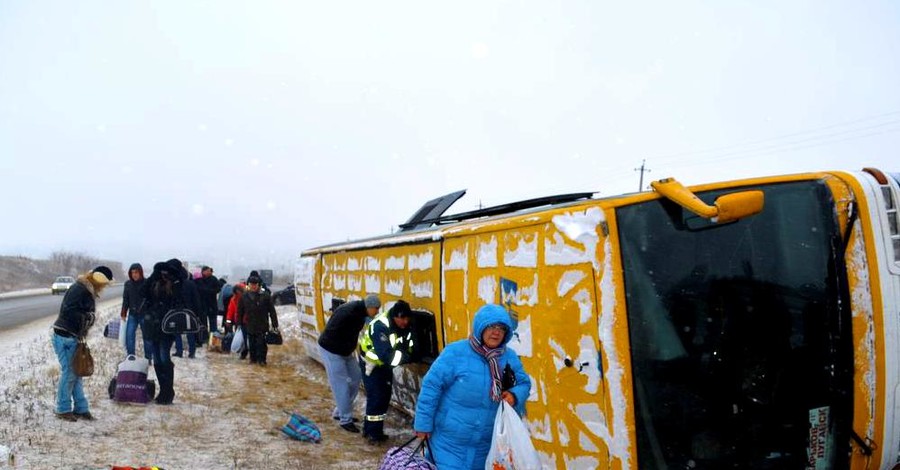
61 284
285 296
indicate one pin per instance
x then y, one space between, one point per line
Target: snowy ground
226 413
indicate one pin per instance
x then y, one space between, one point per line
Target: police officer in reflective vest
385 344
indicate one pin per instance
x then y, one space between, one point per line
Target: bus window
739 334
425 337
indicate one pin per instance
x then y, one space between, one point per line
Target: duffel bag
180 321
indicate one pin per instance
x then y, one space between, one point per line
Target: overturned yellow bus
745 324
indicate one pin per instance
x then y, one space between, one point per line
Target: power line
812 131
784 149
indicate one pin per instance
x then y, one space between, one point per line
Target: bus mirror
736 206
727 208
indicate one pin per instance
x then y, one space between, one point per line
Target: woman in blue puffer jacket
463 388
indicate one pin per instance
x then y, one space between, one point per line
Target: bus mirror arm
726 208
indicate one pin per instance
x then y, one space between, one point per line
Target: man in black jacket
254 312
336 347
209 287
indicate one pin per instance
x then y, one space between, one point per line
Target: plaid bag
301 428
405 458
111 330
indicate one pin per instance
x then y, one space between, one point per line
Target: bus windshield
739 352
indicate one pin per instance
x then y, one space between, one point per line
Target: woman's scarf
490 355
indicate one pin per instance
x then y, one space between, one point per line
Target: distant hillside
19 272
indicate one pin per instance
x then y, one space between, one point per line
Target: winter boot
165 374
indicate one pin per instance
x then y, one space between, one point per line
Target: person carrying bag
76 317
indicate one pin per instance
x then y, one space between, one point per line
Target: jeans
344 377
134 322
70 391
161 349
213 321
179 344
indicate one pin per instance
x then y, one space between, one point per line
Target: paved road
21 310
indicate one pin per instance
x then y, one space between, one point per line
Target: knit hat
102 275
400 309
372 301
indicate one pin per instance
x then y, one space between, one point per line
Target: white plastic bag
238 341
122 329
511 446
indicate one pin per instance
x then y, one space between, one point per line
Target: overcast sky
238 132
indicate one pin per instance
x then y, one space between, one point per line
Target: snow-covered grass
226 415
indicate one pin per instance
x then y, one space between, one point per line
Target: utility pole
642 169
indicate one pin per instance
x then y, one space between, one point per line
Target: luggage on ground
301 428
131 381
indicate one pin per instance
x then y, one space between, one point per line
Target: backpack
302 428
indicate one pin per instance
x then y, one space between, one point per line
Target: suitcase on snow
130 384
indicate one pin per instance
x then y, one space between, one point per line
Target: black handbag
179 321
274 337
508 380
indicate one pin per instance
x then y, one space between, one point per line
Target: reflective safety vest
397 342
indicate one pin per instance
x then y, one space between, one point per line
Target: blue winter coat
455 403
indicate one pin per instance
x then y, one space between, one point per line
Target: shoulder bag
82 361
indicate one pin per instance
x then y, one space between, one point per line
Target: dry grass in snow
226 415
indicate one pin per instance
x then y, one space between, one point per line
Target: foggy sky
244 132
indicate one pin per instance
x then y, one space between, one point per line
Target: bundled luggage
405 457
301 428
130 385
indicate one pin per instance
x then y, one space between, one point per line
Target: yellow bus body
573 330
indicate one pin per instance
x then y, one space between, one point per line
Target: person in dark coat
193 303
132 301
386 343
166 289
76 316
208 287
337 344
254 310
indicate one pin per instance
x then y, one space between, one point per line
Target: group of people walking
145 303
460 393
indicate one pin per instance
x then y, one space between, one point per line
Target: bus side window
335 303
425 349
